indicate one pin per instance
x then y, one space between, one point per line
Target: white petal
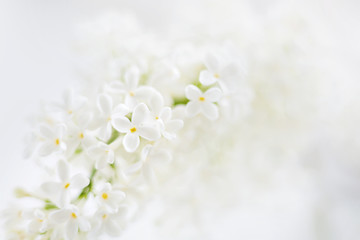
193 108
46 132
104 187
156 102
39 214
144 93
96 152
213 95
160 157
60 216
110 157
100 164
120 110
84 224
34 226
117 196
174 125
51 187
79 181
131 142
47 148
104 104
112 228
71 229
207 78
104 133
210 110
192 92
63 170
141 112
149 133
121 124
165 114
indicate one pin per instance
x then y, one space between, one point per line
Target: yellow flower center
70 112
57 141
216 75
201 99
133 129
105 196
81 135
131 93
73 215
67 185
156 117
104 216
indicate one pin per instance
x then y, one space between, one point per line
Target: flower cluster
103 144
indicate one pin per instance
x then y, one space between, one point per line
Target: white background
36 61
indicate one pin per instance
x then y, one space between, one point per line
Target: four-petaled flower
72 104
217 72
110 223
102 154
39 222
139 126
109 198
202 102
105 121
133 93
73 219
52 140
61 190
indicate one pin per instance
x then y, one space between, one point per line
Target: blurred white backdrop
37 64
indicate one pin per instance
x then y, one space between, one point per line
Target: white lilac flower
169 126
61 190
39 222
110 223
14 216
102 154
217 71
162 116
105 120
52 139
78 133
202 102
151 159
130 88
139 126
72 103
109 198
73 220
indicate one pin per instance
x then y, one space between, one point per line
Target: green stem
85 192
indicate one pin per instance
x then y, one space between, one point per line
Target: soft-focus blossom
109 198
110 223
52 140
202 102
102 154
39 222
107 114
61 189
73 220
